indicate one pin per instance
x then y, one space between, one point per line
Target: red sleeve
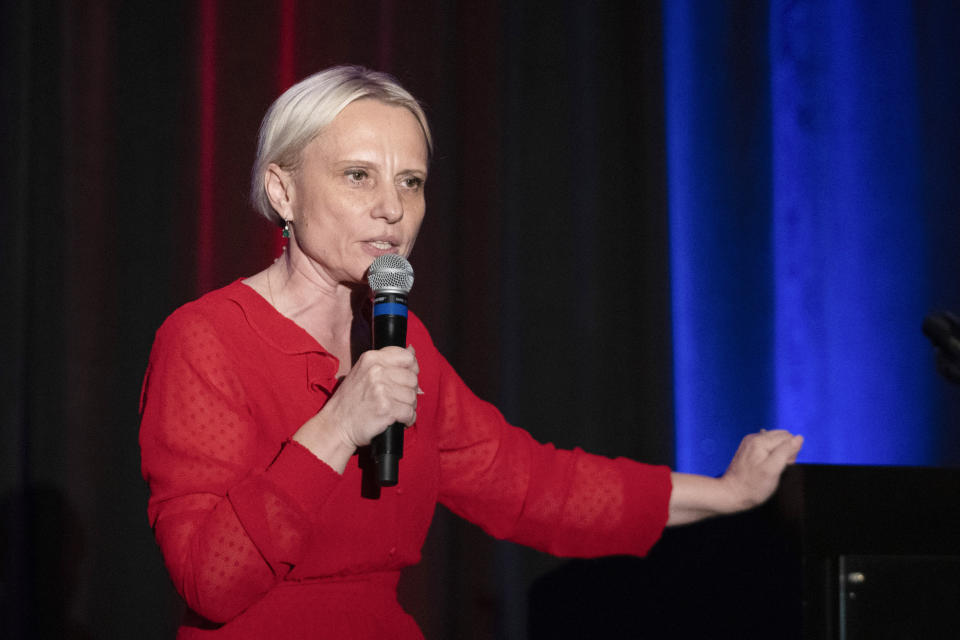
231 515
567 503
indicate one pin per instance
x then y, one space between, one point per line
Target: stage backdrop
815 219
732 213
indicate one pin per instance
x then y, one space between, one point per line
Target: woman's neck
336 315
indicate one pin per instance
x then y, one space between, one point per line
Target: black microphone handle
387 448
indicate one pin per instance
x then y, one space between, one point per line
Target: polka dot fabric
262 539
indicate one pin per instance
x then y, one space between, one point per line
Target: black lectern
878 547
839 552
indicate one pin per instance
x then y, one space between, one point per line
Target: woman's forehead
372 125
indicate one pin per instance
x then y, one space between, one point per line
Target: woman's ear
279 186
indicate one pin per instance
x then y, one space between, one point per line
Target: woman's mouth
380 247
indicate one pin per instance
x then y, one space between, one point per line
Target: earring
286 229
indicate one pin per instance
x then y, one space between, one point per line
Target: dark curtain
806 151
128 133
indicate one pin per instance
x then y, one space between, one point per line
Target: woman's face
359 190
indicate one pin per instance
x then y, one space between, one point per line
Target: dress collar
274 327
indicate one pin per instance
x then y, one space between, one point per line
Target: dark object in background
722 578
943 330
848 552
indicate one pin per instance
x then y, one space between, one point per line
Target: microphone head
390 273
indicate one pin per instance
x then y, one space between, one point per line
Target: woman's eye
413 182
356 175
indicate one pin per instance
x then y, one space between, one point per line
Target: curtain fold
801 157
719 174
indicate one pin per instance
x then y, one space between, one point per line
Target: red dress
263 539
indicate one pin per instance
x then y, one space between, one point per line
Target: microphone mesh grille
390 272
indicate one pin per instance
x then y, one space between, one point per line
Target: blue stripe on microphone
389 309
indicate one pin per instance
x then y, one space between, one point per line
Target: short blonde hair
303 110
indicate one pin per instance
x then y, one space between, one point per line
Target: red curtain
130 135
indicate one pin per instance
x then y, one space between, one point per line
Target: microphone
943 330
390 278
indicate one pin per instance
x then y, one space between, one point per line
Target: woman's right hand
379 390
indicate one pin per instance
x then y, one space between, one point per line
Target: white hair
303 110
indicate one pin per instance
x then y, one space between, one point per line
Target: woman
259 395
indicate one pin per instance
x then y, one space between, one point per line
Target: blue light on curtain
849 239
800 229
719 198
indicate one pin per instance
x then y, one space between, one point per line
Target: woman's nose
390 205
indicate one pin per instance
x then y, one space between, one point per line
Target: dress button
393 550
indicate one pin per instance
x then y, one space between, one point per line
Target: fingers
773 440
755 469
770 441
395 357
395 376
777 448
380 389
400 399
756 448
392 373
772 451
787 450
775 436
397 370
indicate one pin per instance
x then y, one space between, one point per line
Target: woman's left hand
750 480
755 470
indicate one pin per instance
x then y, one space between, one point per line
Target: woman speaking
260 399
